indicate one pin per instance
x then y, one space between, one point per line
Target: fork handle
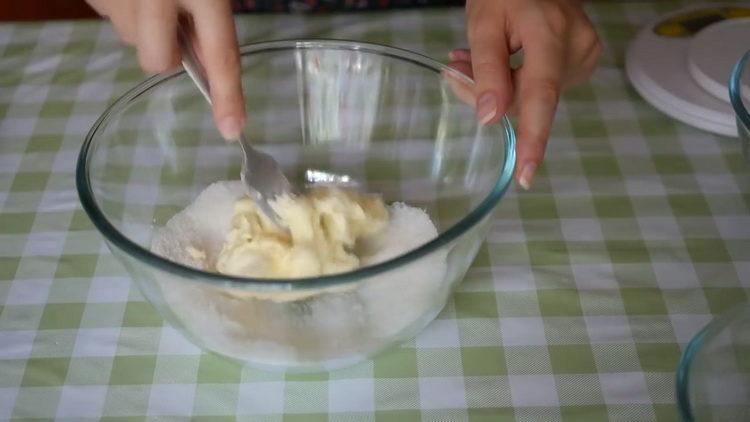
192 63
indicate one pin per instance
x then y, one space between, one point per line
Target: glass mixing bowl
713 377
739 94
380 119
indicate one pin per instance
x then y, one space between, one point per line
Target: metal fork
260 173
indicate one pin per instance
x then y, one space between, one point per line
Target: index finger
217 41
539 86
491 67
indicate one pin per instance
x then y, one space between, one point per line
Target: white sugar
408 228
202 225
327 326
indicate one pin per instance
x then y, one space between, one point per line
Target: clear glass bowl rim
708 332
114 236
735 90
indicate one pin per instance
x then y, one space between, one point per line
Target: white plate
657 66
713 53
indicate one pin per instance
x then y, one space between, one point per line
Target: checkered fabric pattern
577 307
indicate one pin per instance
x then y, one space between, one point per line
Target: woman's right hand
151 27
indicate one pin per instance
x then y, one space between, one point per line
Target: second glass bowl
739 94
713 377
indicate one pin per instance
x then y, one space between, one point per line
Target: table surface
577 308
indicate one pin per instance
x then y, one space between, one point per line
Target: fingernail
230 128
486 108
527 176
460 54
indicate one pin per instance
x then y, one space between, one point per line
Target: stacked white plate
681 64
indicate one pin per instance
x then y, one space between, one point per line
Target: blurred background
30 10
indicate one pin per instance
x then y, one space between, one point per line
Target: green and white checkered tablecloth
577 307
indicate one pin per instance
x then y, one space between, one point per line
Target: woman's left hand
560 49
